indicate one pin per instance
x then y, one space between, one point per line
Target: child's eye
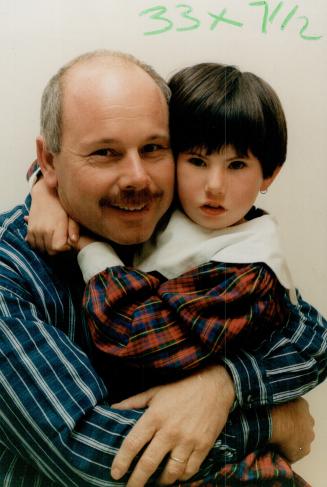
237 165
197 161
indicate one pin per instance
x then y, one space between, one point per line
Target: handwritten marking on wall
282 13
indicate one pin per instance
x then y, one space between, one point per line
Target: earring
265 191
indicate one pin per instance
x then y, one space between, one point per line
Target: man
105 148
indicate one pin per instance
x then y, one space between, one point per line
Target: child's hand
50 229
81 241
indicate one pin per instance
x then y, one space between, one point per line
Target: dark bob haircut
214 105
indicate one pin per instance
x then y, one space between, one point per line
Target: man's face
115 172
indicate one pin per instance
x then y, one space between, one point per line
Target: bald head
110 89
82 73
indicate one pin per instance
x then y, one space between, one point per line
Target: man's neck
126 252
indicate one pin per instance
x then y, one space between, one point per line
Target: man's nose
216 182
134 173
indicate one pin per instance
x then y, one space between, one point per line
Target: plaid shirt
182 323
264 469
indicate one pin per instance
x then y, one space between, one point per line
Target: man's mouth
130 201
133 208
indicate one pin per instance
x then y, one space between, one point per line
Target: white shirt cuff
95 258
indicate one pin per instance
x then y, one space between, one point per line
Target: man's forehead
87 74
117 83
110 100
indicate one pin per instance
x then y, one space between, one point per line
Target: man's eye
148 148
237 165
103 153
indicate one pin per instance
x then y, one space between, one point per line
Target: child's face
217 190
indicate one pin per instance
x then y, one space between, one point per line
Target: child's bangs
218 122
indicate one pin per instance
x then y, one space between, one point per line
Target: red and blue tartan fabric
184 322
264 469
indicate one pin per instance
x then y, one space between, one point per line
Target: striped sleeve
289 363
54 414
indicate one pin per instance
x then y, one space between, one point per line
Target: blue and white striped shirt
56 425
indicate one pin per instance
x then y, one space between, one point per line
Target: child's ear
45 161
267 181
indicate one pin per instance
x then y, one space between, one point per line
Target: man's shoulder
15 252
19 262
12 223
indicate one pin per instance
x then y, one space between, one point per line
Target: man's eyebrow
108 141
101 141
158 136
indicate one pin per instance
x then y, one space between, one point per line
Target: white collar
184 245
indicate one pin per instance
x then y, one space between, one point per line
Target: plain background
37 37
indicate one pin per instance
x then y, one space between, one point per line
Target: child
227 275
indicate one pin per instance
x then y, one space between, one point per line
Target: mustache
130 197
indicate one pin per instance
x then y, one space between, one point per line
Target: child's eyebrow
236 156
195 152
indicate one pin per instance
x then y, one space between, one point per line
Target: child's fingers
57 240
35 240
56 243
51 238
48 241
73 230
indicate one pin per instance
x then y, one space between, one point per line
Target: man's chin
132 241
128 238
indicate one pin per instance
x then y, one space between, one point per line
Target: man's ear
46 163
267 181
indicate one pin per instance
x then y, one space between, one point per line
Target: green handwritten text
163 19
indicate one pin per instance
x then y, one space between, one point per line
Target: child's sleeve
180 323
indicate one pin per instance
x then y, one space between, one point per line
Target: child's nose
216 182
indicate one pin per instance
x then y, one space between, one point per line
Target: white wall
37 36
